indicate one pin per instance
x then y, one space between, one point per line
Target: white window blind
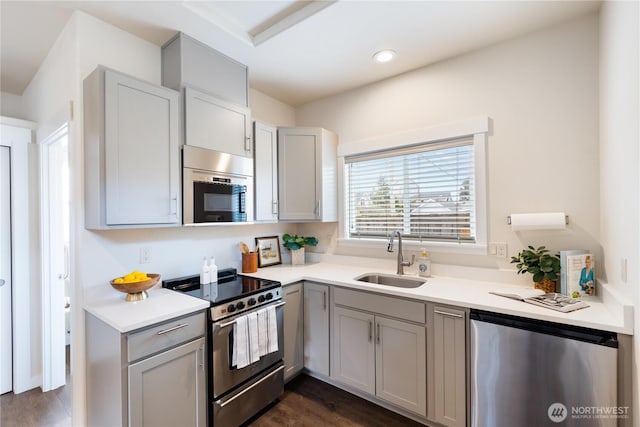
427 192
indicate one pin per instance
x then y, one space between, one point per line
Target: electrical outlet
145 255
491 250
501 250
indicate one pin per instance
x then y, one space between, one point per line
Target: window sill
443 247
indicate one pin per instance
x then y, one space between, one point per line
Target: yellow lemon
118 280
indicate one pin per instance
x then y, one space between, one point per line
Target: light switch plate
145 255
501 250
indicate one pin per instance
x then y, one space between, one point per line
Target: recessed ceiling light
384 55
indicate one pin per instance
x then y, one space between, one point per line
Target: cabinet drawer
413 311
165 335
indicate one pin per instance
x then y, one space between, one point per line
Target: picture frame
268 249
577 273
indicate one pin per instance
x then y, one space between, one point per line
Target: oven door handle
223 404
224 325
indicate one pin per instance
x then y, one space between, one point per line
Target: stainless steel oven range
236 394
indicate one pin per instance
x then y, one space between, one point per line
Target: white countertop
160 305
604 313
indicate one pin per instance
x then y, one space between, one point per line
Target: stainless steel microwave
217 187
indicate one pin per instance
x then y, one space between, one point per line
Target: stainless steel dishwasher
526 372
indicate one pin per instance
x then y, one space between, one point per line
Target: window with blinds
426 191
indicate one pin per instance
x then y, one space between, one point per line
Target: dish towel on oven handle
254 343
267 330
240 357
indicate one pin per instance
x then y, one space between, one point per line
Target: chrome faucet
401 263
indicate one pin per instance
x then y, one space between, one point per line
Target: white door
55 257
6 367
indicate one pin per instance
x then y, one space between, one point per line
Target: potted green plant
544 267
296 244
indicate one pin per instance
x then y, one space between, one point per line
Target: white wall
541 91
620 157
271 111
12 106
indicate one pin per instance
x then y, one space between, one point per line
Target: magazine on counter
553 301
577 276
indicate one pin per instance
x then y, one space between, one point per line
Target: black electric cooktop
230 286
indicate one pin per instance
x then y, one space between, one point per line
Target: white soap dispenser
213 271
424 264
205 273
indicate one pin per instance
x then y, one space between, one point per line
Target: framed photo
577 274
268 251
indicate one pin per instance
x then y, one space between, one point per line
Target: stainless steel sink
391 280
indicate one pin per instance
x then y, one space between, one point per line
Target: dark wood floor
308 402
34 408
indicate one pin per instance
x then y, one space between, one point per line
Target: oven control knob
231 308
269 296
261 298
252 301
240 305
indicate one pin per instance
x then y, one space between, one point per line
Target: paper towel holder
566 220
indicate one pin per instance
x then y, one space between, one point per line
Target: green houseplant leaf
296 242
539 262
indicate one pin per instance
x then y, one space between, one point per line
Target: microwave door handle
242 201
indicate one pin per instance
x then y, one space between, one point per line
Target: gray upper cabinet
266 172
132 152
215 124
188 61
307 174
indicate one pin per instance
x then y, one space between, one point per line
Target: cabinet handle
174 205
182 325
444 313
378 333
202 357
67 264
247 144
317 211
370 330
223 404
274 205
324 300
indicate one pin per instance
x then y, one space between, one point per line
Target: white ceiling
297 51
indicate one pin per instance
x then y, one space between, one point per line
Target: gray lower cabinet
155 376
293 330
379 347
448 365
132 152
316 328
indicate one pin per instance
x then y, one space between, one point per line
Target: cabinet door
142 172
217 125
449 347
353 352
293 330
316 328
170 389
266 172
298 171
401 364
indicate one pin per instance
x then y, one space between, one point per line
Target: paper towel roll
538 221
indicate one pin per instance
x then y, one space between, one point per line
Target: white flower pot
297 257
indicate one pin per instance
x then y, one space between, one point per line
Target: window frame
477 128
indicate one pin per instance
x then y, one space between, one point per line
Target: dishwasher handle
578 333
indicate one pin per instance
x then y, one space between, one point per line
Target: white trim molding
478 127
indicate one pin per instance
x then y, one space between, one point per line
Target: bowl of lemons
135 284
